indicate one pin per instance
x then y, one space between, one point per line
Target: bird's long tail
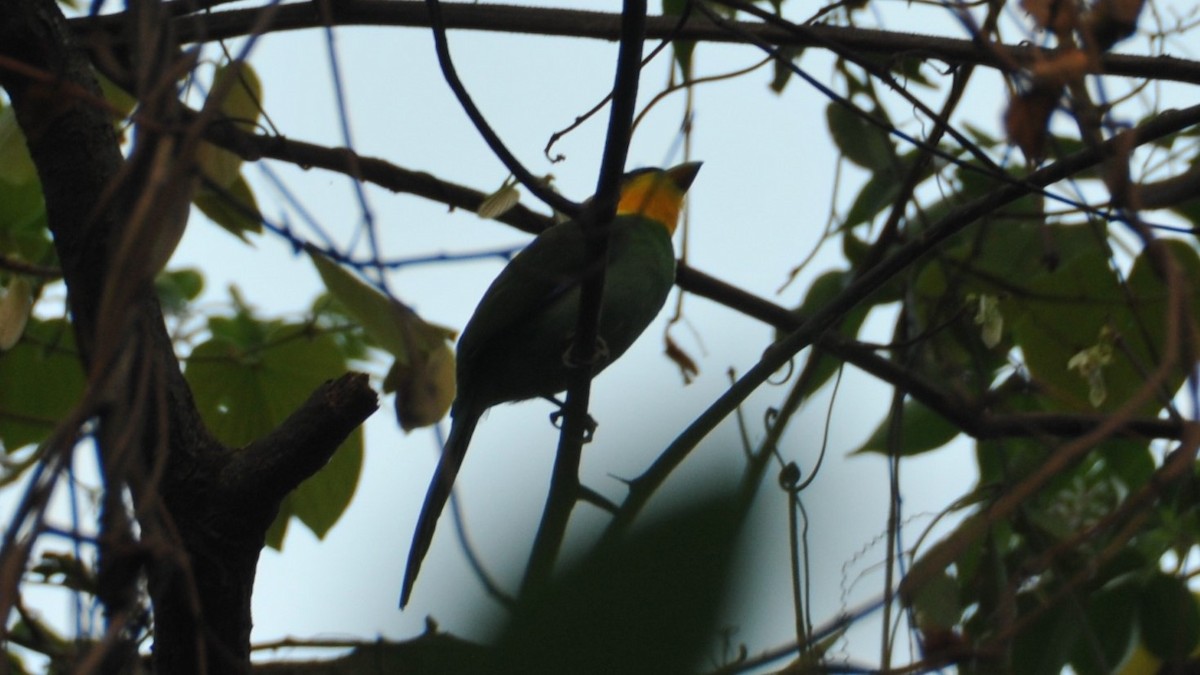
437 496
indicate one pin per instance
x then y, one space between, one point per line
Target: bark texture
202 509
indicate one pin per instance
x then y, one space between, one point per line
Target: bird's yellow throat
652 195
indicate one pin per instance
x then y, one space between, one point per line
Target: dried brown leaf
1065 67
1057 16
687 366
1026 120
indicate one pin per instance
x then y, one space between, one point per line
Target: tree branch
595 220
642 487
299 447
385 174
253 147
531 182
106 32
200 536
973 420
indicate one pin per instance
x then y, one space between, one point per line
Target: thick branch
277 463
972 420
607 26
203 509
252 147
398 179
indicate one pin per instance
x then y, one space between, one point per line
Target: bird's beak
684 174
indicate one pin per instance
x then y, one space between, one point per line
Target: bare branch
106 32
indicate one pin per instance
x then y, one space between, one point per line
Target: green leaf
853 249
980 136
423 373
1111 614
1044 647
244 393
859 141
1129 460
879 192
241 107
28 240
683 49
225 196
1169 618
43 380
16 166
278 530
909 68
782 66
1144 326
1060 314
22 207
922 430
320 501
645 605
233 207
821 366
16 305
1065 311
881 189
393 326
117 97
1003 461
937 603
249 377
176 288
329 313
1190 210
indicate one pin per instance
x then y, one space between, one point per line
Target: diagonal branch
641 488
974 421
385 174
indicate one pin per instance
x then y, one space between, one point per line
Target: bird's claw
589 426
599 355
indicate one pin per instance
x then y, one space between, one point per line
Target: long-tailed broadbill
516 344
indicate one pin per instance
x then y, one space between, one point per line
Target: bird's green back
532 307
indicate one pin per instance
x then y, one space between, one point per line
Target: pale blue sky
757 209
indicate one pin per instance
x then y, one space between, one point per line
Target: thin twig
781 352
564 485
515 167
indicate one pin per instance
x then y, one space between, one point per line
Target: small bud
15 306
501 201
1090 363
990 319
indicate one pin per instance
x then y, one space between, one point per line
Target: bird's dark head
657 194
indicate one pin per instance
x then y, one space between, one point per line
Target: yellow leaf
241 106
424 387
15 307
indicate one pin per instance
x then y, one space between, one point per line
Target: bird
515 346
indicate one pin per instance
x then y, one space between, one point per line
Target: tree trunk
202 509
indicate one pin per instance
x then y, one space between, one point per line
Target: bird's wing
549 267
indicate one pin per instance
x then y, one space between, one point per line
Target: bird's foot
599 355
589 425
